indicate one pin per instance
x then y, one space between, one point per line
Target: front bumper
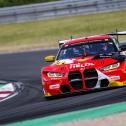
74 84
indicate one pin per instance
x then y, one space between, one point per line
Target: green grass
46 33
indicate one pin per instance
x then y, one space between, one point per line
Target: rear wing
117 34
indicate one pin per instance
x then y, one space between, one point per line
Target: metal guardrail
60 8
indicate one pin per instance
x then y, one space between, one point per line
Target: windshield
87 49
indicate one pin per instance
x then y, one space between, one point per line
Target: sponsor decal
79 65
54 86
55 78
115 77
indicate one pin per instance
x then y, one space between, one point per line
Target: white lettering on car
115 77
78 65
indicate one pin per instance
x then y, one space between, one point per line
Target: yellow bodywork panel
47 94
116 83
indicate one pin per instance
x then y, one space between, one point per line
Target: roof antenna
71 37
117 34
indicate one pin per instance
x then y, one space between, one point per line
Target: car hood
79 63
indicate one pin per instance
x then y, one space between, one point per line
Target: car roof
85 39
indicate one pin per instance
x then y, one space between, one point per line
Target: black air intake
104 83
75 79
90 77
65 88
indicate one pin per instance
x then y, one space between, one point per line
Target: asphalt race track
30 103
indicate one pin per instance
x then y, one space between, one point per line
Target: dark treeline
7 3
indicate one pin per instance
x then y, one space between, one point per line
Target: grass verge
46 33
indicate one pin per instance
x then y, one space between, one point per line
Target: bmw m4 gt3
85 64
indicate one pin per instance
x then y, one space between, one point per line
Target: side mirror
49 58
123 47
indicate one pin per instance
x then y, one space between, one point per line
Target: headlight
55 74
110 67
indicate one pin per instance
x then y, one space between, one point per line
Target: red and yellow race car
84 64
